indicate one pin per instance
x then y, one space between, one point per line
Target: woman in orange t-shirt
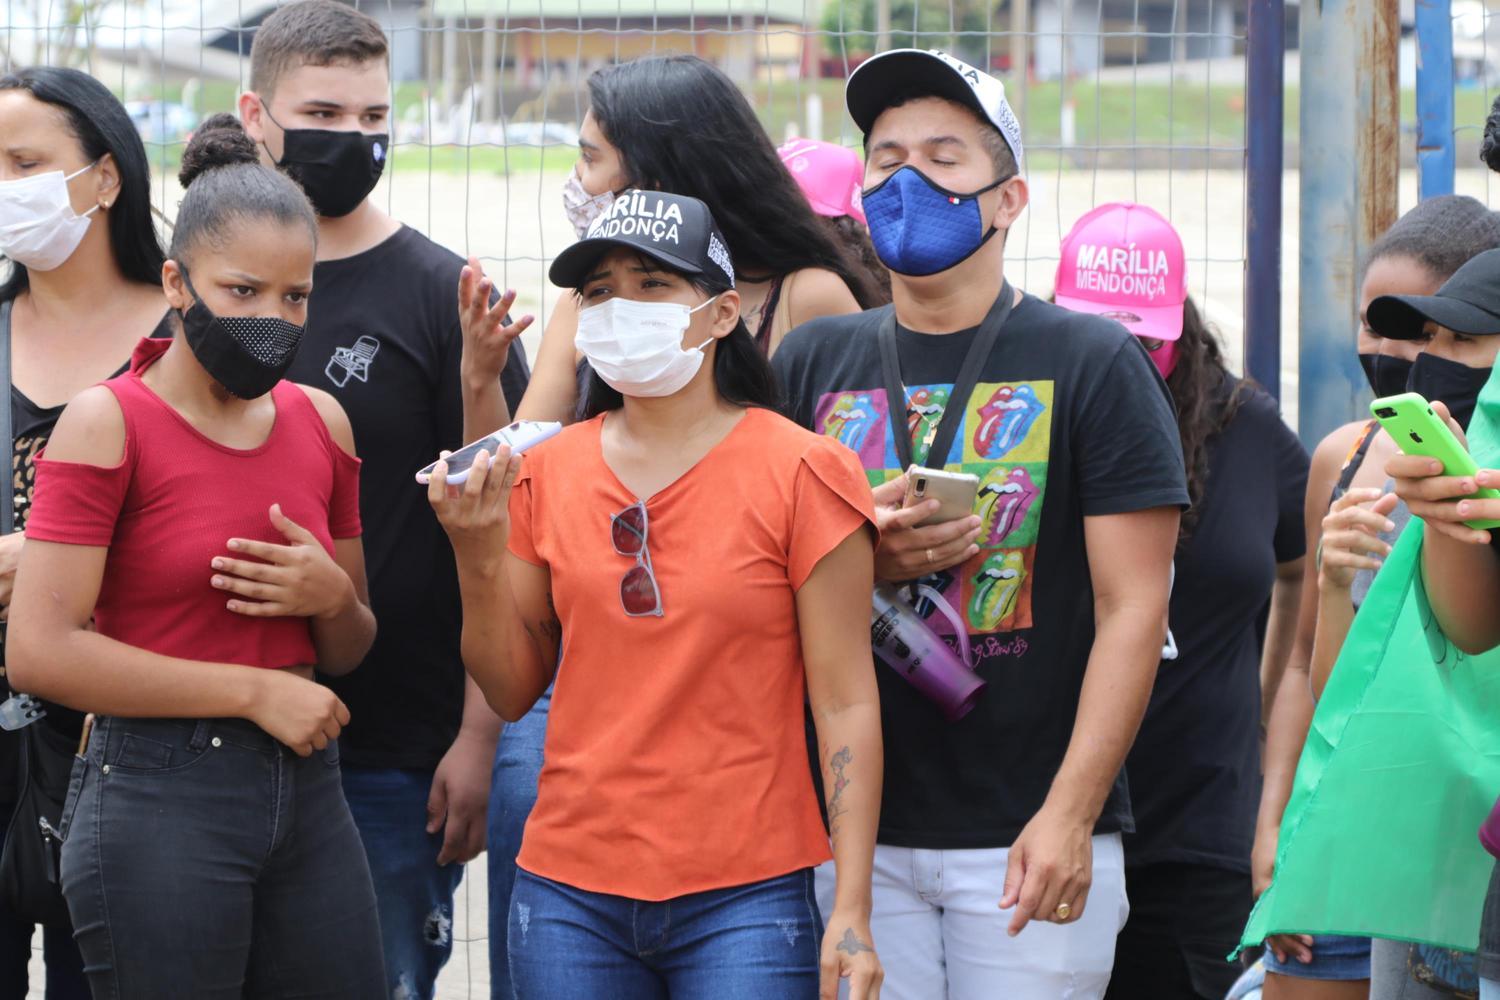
703 565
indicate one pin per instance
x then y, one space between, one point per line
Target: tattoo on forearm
852 945
836 806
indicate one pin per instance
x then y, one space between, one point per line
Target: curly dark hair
1204 409
1489 147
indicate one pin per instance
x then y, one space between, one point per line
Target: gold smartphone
955 491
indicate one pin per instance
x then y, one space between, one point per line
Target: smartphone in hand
954 491
1417 430
519 436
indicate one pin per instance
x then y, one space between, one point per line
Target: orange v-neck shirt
676 755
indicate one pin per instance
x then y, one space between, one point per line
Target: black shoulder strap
8 489
963 385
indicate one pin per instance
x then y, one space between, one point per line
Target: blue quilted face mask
919 228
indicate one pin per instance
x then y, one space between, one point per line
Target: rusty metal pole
1350 161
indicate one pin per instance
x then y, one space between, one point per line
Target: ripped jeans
750 942
414 894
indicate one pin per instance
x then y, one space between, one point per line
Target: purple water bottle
902 639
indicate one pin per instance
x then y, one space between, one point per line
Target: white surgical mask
38 227
636 347
583 208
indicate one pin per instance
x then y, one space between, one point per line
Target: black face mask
1387 375
337 170
245 354
1456 385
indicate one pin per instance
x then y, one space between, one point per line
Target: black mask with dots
247 355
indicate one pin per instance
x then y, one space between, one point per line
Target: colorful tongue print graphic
850 420
1005 420
997 588
1005 498
924 409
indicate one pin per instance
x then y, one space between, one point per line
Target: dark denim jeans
518 763
64 966
414 894
751 942
204 859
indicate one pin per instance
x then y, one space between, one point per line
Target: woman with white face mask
84 285
700 564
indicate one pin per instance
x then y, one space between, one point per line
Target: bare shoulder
334 417
814 292
91 430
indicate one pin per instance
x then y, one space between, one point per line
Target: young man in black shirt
1009 819
383 335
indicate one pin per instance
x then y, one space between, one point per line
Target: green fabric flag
1400 768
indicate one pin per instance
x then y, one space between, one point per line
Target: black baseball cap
1468 303
674 229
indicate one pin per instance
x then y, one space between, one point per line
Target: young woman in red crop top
193 554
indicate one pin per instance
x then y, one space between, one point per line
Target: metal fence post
1265 60
1434 22
1350 161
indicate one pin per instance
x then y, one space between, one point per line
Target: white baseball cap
879 80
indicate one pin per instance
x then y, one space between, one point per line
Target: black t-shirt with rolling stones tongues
1069 419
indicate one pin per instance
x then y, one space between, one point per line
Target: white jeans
940 931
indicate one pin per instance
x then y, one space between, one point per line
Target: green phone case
1417 430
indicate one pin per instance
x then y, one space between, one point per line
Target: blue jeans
204 859
1489 989
1336 958
750 942
414 894
518 762
64 965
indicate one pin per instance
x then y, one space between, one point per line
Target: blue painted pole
1350 160
1265 59
1434 21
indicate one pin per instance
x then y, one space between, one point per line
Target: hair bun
219 141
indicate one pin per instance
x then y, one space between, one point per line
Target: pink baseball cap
831 176
1125 262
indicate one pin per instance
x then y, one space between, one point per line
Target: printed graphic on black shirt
1004 439
1068 420
352 362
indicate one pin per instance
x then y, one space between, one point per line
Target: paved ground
516 224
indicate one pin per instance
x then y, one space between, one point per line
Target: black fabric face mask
1456 385
337 170
247 355
1387 375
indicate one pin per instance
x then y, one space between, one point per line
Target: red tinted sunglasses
639 594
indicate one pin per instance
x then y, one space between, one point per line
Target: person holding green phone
1460 567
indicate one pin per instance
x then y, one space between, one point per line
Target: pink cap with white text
830 176
1125 262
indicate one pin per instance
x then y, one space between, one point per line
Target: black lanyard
940 439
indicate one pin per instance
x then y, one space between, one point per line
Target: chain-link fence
1118 99
1140 100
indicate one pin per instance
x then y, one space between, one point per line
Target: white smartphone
519 436
954 491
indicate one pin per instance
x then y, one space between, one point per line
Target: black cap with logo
1468 303
674 229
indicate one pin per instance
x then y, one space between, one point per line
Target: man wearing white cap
1009 820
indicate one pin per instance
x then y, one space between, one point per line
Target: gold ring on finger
930 557
1064 911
